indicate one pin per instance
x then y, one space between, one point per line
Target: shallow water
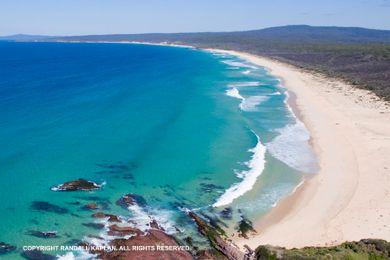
183 128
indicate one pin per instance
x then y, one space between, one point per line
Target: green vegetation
364 249
360 56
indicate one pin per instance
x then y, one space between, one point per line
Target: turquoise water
184 128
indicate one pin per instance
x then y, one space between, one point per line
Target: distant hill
358 55
290 33
24 37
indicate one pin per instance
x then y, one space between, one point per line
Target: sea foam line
245 84
256 166
248 104
234 63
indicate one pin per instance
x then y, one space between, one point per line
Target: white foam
292 147
234 63
80 255
142 218
256 166
233 92
250 104
246 72
245 84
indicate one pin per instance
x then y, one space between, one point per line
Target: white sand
349 199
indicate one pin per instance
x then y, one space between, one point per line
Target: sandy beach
349 199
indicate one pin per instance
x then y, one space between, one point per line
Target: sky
80 17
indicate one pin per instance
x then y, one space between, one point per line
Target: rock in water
227 213
91 206
42 234
77 185
37 255
131 199
48 207
97 226
245 227
6 248
111 218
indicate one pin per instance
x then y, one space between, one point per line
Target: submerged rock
245 227
131 199
91 206
42 234
37 255
6 248
77 185
94 225
209 187
226 213
47 207
111 218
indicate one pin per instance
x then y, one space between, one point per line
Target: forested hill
358 55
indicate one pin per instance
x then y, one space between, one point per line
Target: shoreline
349 198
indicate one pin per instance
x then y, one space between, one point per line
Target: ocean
186 129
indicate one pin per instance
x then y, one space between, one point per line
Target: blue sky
74 17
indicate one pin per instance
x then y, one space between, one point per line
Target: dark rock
207 255
116 230
48 207
131 199
94 225
189 241
111 218
75 203
155 225
77 185
151 239
91 206
42 234
227 213
6 248
216 240
245 227
37 255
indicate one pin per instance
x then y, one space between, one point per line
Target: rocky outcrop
130 200
133 243
116 230
217 241
77 185
154 244
110 217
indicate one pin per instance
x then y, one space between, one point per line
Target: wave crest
256 166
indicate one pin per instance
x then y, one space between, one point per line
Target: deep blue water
178 126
